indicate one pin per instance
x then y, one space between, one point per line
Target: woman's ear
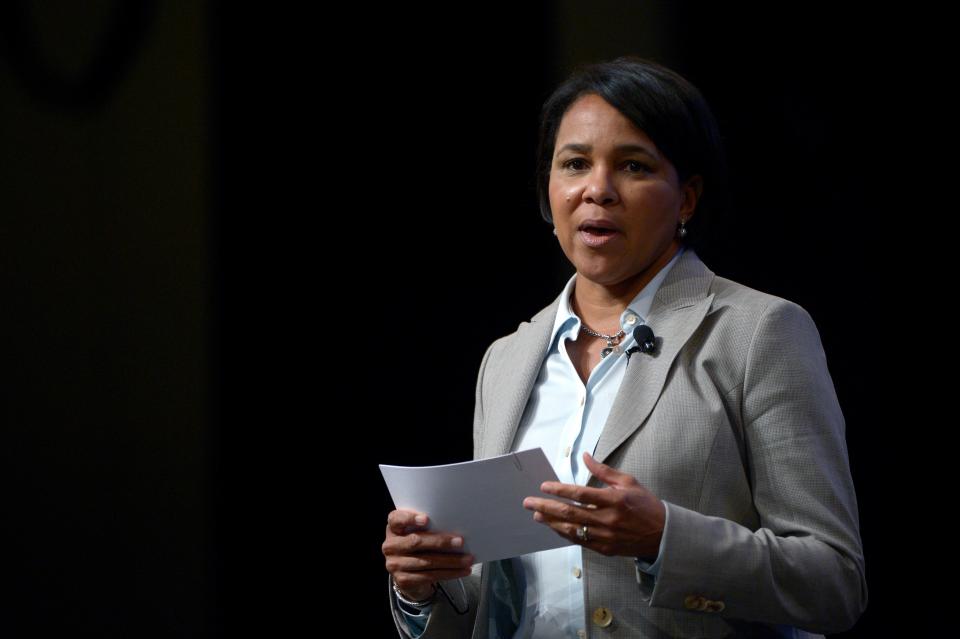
692 190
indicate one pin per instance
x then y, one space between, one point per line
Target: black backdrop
309 226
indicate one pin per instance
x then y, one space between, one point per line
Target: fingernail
457 541
420 519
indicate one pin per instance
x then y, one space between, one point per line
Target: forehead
592 119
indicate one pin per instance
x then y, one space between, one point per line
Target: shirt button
566 452
632 320
582 400
602 617
582 634
576 573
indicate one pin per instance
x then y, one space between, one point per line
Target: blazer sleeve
804 565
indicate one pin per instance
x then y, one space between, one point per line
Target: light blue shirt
565 417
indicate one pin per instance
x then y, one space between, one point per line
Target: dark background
249 255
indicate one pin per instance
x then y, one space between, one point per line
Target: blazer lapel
678 308
515 377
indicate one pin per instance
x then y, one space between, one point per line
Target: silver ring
582 533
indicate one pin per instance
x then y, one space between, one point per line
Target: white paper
481 500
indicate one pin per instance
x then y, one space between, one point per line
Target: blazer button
694 602
715 606
602 617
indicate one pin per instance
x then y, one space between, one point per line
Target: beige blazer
734 422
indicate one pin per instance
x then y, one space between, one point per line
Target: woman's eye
633 166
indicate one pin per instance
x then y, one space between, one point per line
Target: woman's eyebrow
622 148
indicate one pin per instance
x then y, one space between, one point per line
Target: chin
601 275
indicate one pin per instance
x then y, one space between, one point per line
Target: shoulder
752 330
775 340
538 326
741 298
751 307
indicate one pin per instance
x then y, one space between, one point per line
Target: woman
691 418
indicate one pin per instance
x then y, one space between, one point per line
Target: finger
586 495
607 474
568 530
400 521
423 542
419 542
426 563
595 534
564 528
561 511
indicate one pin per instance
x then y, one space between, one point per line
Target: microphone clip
646 341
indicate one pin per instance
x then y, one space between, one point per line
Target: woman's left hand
622 519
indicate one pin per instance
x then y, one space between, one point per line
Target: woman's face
605 168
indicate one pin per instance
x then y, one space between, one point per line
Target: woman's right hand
418 559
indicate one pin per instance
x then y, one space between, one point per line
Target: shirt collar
567 322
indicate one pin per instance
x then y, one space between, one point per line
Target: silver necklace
611 347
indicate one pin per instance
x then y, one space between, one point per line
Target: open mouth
596 230
595 236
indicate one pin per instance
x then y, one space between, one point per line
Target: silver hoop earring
554 230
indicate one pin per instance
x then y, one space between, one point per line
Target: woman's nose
600 188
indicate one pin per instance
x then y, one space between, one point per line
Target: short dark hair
662 104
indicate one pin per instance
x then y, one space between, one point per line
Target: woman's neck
600 306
